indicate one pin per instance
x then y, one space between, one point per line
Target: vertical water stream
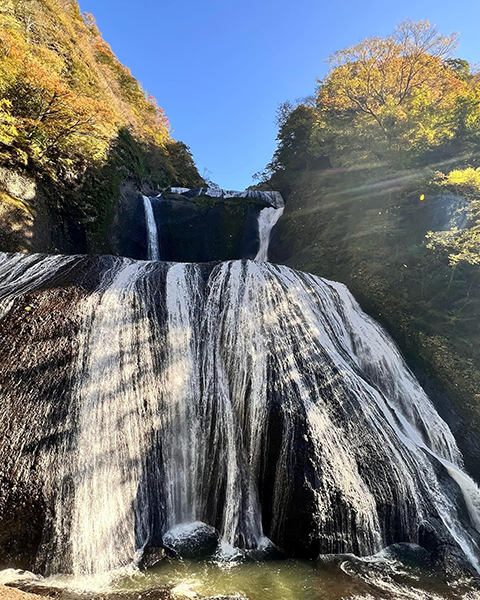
152 231
267 219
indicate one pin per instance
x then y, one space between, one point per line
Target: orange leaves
391 96
101 45
52 119
160 119
63 93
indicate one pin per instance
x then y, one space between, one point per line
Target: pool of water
384 576
299 580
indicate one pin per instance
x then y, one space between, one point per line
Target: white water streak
269 197
182 390
21 274
267 219
152 231
115 392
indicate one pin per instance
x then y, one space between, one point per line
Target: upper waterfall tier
267 219
140 396
208 224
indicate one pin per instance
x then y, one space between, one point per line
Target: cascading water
152 231
247 396
182 386
114 392
267 219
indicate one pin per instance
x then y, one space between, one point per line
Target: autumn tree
300 145
184 169
55 126
395 97
68 107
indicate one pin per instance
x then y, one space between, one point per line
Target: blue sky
219 68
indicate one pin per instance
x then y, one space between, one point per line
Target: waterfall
114 393
152 231
267 219
254 398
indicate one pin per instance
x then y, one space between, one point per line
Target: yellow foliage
63 94
8 130
469 177
9 199
461 245
394 95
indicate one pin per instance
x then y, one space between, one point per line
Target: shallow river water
330 578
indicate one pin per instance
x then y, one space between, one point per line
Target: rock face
127 235
21 525
40 366
151 557
202 228
193 227
19 213
7 593
28 221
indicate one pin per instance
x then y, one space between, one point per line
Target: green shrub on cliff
461 244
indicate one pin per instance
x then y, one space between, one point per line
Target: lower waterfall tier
141 398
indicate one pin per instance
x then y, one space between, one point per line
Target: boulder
446 554
192 540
